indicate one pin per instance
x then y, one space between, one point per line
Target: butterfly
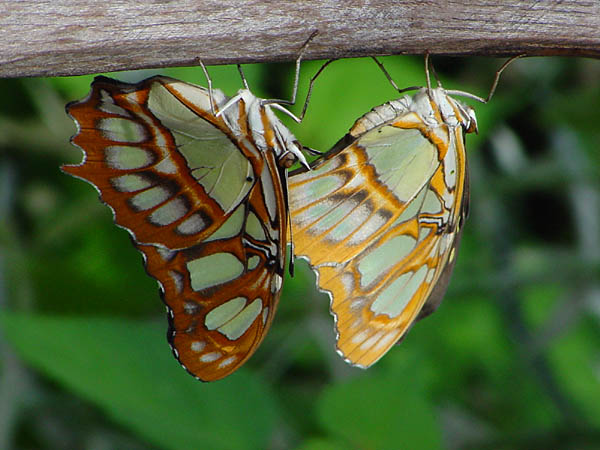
379 217
199 181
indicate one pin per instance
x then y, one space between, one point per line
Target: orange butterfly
380 216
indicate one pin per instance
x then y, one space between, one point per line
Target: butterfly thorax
265 128
452 112
434 110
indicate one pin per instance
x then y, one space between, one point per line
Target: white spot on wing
359 337
254 227
122 130
198 346
150 198
224 313
242 322
213 270
192 225
382 259
231 227
371 341
430 275
168 213
253 262
210 357
227 361
370 227
130 183
388 338
276 283
165 253
190 307
177 279
127 158
107 105
166 166
393 299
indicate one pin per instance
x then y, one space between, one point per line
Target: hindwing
201 194
379 217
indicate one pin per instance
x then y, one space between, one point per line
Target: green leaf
126 368
388 410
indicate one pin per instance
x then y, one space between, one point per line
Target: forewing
377 222
158 157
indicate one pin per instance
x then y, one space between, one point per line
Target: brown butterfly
199 181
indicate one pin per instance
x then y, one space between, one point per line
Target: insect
379 218
199 181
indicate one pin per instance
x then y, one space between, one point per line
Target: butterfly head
466 116
291 149
452 112
263 122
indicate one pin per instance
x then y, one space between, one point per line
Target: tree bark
72 37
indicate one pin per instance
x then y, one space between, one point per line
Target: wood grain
70 37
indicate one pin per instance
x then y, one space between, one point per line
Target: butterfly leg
494 83
391 80
497 76
312 151
244 80
209 82
298 60
308 95
276 103
310 87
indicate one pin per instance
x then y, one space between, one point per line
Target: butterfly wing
378 218
157 143
222 294
202 204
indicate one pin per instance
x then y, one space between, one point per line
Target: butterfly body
380 216
198 180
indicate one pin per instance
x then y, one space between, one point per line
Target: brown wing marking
158 201
210 354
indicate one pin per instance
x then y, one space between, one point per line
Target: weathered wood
69 37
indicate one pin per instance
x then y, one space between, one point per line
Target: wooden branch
71 37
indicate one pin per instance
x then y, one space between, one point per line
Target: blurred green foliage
510 360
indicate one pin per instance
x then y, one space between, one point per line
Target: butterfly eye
472 120
287 160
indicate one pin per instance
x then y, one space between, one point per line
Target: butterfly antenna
391 80
209 82
312 151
